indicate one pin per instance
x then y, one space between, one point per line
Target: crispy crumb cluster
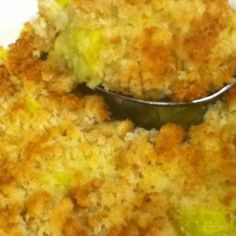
146 49
67 169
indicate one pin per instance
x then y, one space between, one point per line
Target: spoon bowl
153 114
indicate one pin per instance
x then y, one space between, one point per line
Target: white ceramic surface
13 14
233 3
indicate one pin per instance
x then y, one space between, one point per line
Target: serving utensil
153 114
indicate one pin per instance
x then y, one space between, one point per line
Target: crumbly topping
151 49
67 169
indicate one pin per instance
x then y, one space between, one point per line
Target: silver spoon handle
203 100
216 94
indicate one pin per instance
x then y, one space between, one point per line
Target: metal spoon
153 114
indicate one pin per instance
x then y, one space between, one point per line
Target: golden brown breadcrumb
67 169
147 49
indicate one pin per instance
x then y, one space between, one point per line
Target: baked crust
67 169
153 49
